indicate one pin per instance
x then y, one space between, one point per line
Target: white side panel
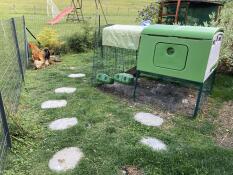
214 54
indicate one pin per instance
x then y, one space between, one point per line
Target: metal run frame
74 15
78 6
102 53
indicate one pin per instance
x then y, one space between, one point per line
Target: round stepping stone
62 124
76 75
67 90
154 144
66 159
148 119
73 68
51 104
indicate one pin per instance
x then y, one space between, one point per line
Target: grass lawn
107 133
35 12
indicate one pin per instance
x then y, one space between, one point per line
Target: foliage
82 40
149 12
225 21
223 88
50 38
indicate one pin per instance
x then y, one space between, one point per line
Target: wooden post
177 11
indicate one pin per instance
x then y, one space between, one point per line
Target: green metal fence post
4 123
213 81
198 100
25 41
17 47
136 84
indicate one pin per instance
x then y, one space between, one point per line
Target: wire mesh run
111 60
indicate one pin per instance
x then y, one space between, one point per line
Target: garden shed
188 12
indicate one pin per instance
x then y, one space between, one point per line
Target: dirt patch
167 96
131 170
224 122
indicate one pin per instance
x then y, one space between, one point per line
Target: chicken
40 58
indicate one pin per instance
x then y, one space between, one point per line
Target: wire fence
111 60
37 17
37 23
88 10
13 61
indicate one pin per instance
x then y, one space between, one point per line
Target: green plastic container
104 78
124 78
183 52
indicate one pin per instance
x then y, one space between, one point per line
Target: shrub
225 21
149 12
82 40
50 38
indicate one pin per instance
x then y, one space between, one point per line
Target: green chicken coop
176 53
185 53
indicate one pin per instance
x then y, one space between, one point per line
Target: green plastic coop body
183 52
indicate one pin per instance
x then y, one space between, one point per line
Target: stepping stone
66 159
73 68
76 75
51 104
148 119
62 124
154 144
67 90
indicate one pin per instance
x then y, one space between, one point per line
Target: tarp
122 36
